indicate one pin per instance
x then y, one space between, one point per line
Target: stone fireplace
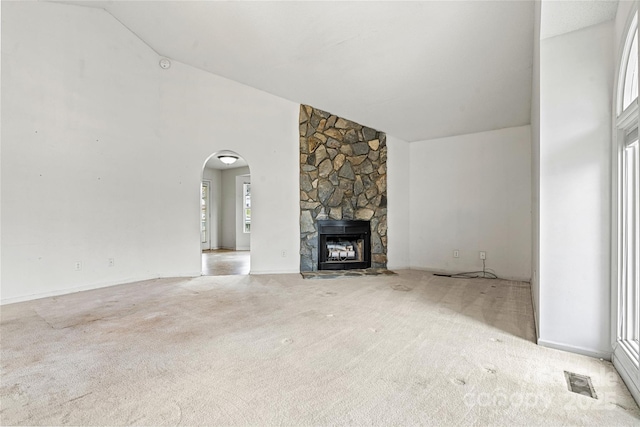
343 177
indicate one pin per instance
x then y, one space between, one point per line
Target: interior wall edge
534 306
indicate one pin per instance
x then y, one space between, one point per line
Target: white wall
88 120
398 193
214 176
535 166
472 193
575 136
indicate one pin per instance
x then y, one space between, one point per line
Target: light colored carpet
279 350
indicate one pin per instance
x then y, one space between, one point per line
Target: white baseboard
398 267
598 354
628 377
261 272
89 287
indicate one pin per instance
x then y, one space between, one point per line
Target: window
246 205
629 288
630 90
204 212
626 288
628 78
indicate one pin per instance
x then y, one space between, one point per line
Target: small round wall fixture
165 64
227 159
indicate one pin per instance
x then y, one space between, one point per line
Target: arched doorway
225 215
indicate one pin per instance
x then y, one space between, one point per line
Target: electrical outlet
483 255
283 254
112 262
78 266
456 253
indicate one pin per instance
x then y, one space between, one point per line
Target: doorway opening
225 215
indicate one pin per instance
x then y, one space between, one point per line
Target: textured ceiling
416 70
560 17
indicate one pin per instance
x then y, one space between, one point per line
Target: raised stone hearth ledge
334 274
343 175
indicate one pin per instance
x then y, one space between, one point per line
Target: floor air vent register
580 384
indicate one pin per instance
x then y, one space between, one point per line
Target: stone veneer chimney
343 176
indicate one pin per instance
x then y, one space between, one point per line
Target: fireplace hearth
344 245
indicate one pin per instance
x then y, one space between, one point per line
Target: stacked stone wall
343 175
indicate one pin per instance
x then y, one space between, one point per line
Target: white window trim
626 118
624 59
624 121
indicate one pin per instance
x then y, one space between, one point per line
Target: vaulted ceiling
416 70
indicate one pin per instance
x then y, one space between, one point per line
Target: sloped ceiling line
416 70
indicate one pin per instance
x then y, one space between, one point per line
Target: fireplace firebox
344 245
